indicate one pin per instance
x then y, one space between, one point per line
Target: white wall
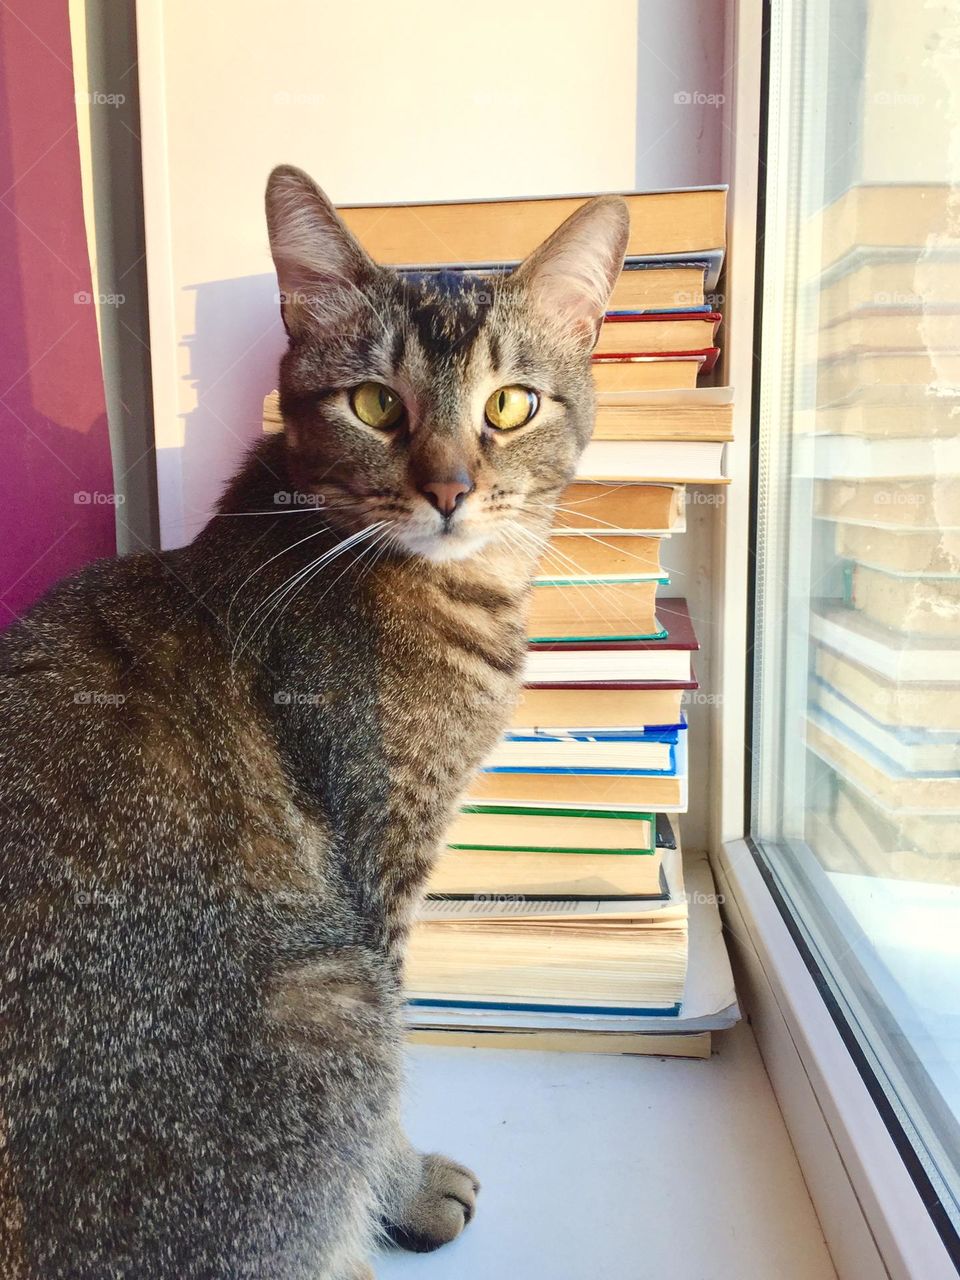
386 102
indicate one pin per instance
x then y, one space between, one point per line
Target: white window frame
874 1220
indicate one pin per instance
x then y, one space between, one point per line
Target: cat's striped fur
225 770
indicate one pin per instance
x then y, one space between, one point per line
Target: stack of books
563 913
883 446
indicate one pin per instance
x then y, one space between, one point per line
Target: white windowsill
596 1166
872 1215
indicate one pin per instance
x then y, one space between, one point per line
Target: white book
914 750
588 666
510 753
862 458
685 461
890 653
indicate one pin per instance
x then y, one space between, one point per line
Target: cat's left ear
572 274
321 268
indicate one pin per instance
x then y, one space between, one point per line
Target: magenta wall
56 482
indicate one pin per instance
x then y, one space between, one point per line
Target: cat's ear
320 266
572 274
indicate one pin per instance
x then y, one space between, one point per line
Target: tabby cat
225 772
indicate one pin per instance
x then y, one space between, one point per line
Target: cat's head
452 406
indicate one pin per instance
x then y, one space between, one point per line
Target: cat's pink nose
446 495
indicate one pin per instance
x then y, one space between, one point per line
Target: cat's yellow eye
511 407
376 405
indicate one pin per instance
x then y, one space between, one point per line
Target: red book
657 662
706 357
664 332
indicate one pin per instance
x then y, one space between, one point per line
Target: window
856 737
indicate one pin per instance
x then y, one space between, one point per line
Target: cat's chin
441 548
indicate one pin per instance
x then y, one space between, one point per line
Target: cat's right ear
321 268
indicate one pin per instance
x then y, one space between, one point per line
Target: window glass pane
856 747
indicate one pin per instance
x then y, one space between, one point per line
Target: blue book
598 753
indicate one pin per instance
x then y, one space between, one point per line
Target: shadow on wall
233 352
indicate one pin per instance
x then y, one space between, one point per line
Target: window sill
873 1218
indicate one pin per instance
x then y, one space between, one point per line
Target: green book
522 829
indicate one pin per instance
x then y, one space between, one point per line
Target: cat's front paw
438 1211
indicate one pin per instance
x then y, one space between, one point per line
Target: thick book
919 849
586 705
844 843
709 999
857 458
909 330
630 960
658 282
647 371
550 874
586 609
891 283
905 790
592 750
588 789
913 749
927 502
922 553
660 286
891 702
631 419
881 376
626 507
680 461
560 830
883 215
683 1044
925 607
595 971
604 557
660 333
930 416
667 659
495 231
895 655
